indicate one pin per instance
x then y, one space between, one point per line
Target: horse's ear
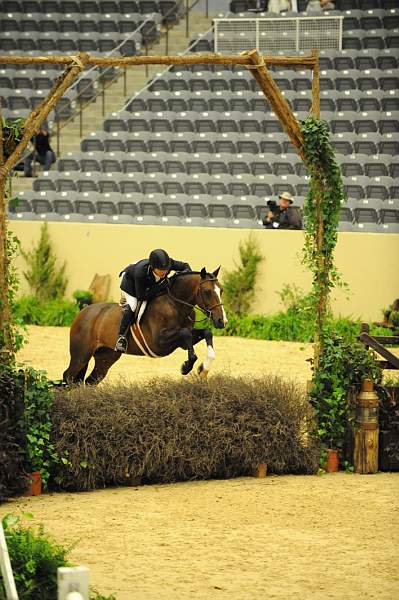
216 272
203 273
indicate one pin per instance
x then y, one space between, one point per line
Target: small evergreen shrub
239 284
35 557
47 281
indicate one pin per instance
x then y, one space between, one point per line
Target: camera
272 204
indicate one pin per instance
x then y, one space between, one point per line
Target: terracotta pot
35 488
332 463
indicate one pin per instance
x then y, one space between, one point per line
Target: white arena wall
368 261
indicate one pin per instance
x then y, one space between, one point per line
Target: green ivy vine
12 334
321 212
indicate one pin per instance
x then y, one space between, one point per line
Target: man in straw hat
283 216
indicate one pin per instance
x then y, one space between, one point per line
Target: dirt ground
284 537
48 349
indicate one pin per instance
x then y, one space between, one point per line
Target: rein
206 311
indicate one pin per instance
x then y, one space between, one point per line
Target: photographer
283 216
43 153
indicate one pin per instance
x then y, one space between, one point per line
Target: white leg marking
210 357
225 319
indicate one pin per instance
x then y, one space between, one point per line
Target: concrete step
136 79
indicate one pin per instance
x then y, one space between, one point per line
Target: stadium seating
50 27
200 145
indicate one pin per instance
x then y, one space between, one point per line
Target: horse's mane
184 273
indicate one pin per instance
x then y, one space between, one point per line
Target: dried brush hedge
164 431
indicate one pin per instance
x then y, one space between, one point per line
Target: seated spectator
43 152
283 215
277 6
319 5
257 5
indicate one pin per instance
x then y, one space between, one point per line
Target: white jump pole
6 569
73 583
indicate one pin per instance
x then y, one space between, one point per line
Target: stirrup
121 344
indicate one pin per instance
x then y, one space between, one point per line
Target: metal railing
274 35
160 75
101 82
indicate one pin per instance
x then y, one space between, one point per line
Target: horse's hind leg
76 371
104 359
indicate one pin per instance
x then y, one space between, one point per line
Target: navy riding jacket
139 281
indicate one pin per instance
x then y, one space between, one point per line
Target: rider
143 280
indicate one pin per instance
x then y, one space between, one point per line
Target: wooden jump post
256 63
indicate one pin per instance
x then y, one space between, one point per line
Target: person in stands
278 6
143 280
283 215
43 152
319 5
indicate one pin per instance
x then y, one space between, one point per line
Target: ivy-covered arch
311 140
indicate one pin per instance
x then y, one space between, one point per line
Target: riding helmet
159 259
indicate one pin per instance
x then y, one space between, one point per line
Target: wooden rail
376 342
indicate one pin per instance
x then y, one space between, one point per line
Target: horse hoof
202 372
187 366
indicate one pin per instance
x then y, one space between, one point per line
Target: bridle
206 311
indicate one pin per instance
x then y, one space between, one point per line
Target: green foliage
83 297
295 324
343 363
289 327
35 558
239 284
11 333
46 280
58 312
12 132
38 399
13 463
391 315
322 205
27 430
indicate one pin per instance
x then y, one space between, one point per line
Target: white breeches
128 299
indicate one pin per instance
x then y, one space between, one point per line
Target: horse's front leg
186 339
205 334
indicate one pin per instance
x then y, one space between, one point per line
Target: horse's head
209 297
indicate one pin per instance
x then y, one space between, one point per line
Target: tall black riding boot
126 321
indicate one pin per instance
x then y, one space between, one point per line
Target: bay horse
167 324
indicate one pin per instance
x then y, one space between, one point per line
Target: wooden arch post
258 65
